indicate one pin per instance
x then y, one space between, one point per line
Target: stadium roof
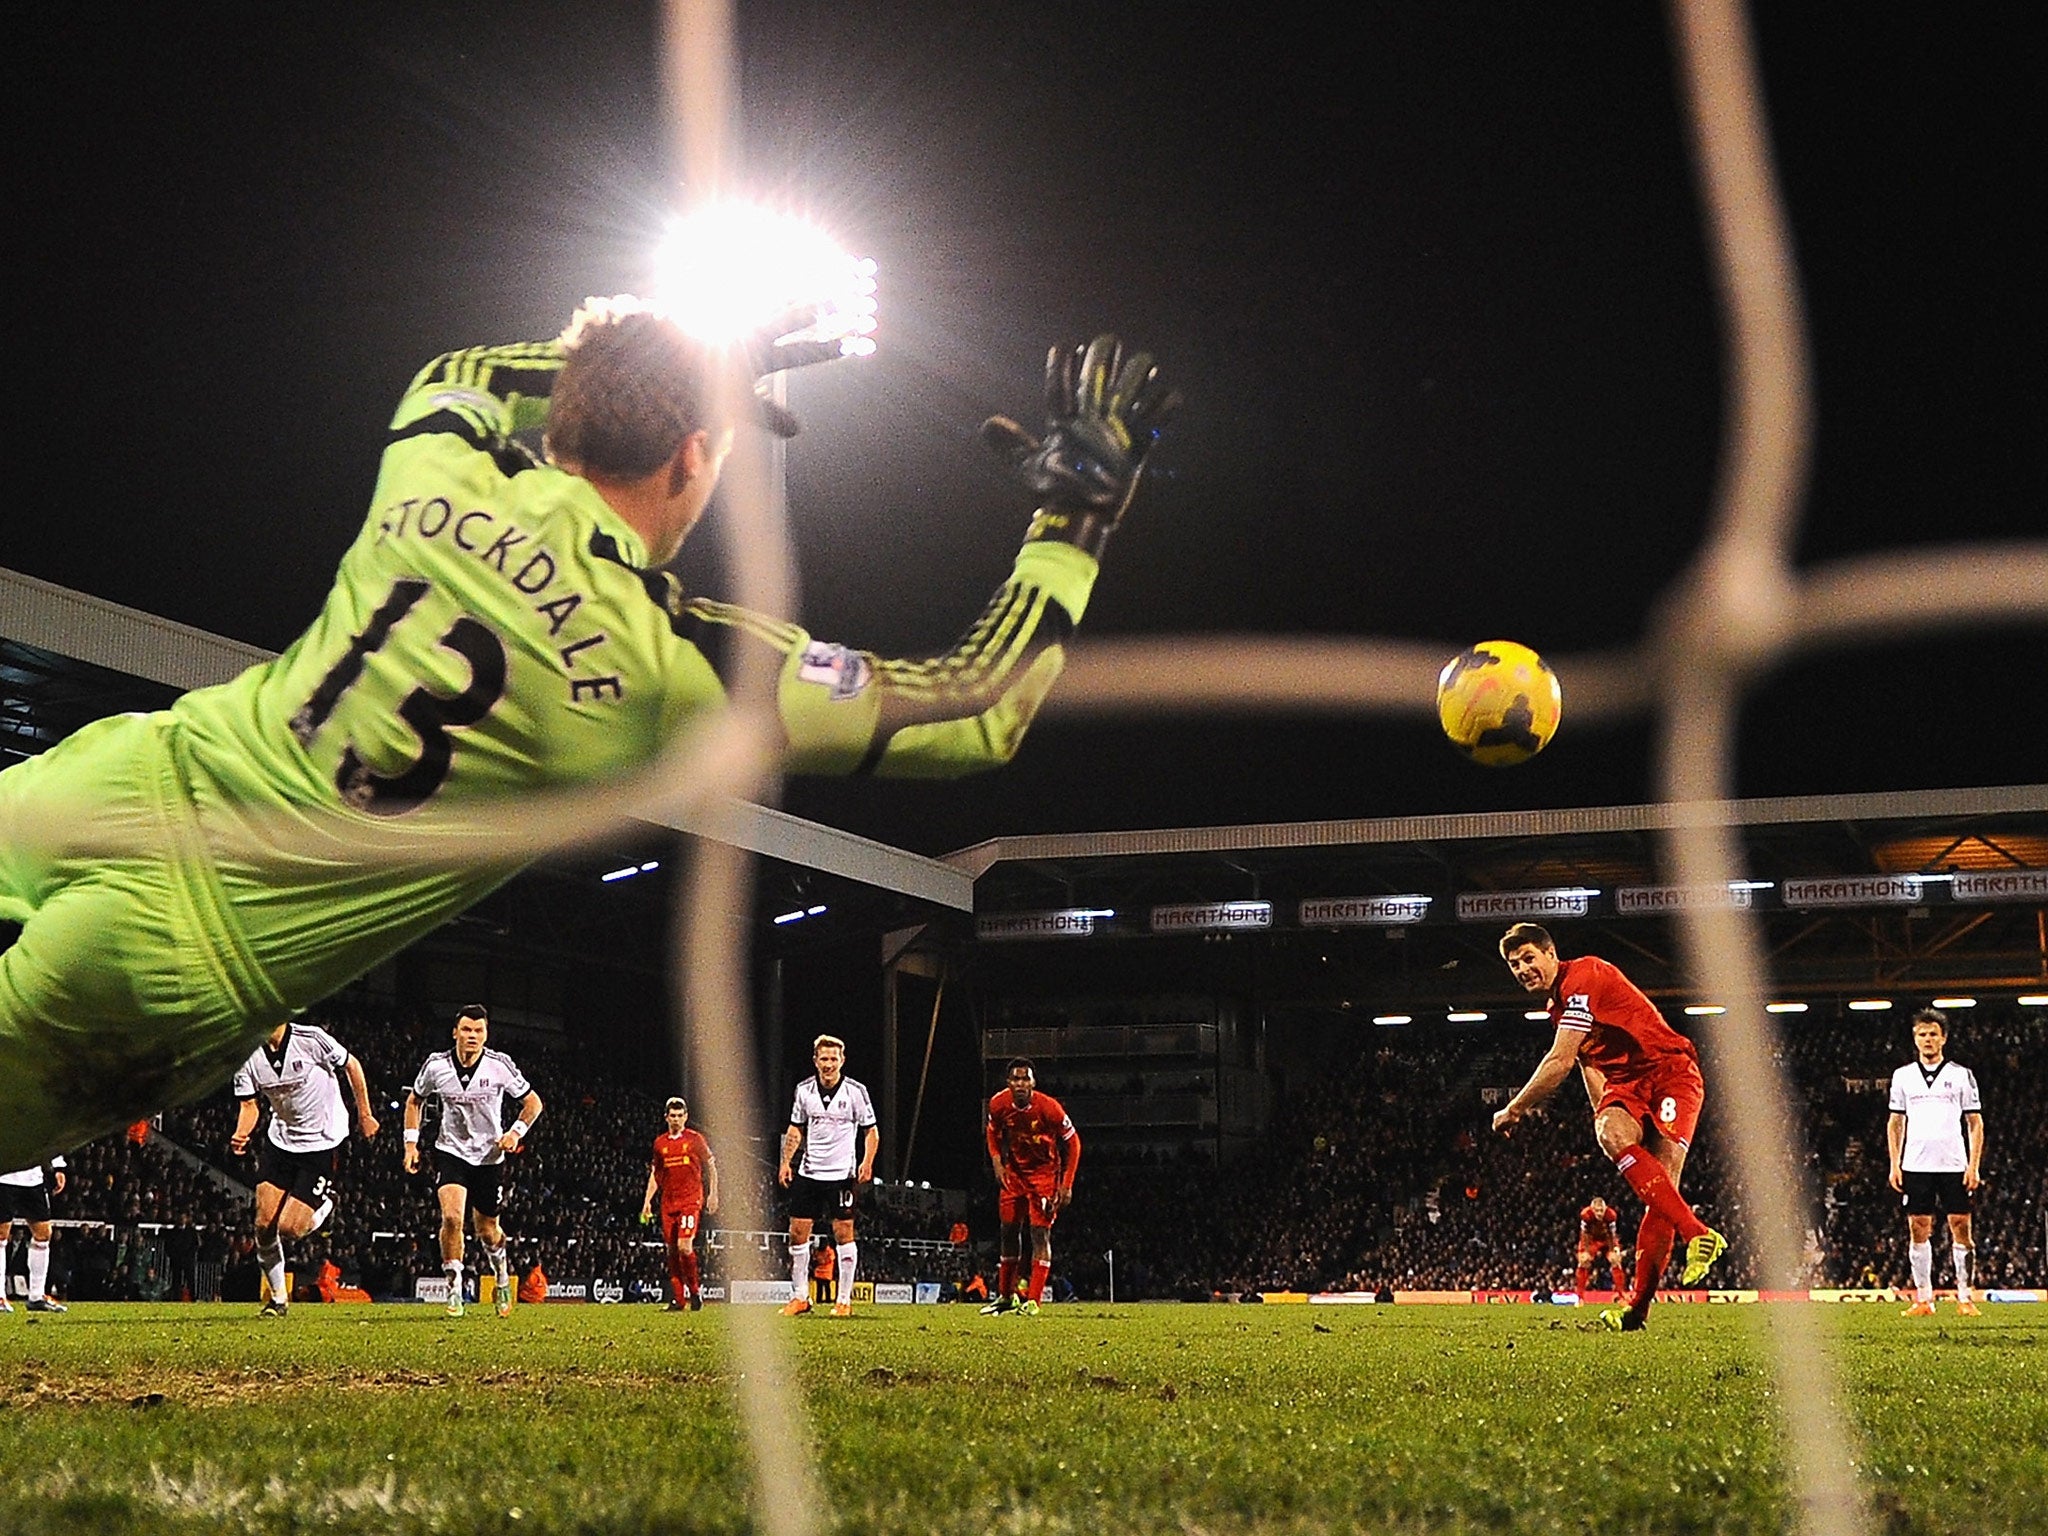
66 658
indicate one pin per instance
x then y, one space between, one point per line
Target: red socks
1585 1279
1006 1278
1653 1186
1041 1269
1653 1253
690 1274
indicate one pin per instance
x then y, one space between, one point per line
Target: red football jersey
1626 1037
1595 1230
1033 1141
679 1163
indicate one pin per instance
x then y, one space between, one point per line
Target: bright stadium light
2033 999
1467 1017
1869 1004
1784 1007
725 271
1703 1010
1393 1018
1955 1002
620 874
1534 1014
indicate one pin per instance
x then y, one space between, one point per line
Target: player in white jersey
833 1120
472 1082
297 1071
1936 1136
25 1197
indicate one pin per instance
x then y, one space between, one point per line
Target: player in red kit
1644 1079
1597 1240
1035 1151
685 1174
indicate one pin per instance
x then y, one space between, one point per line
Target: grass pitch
1199 1421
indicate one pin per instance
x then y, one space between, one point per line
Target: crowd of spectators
1380 1172
1383 1172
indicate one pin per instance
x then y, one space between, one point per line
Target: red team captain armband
1652 1071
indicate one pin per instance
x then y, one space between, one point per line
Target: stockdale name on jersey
535 572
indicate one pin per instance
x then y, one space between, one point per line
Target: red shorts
1599 1250
679 1228
1668 1101
1033 1202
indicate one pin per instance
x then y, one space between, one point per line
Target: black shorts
1929 1194
307 1177
24 1202
822 1199
485 1184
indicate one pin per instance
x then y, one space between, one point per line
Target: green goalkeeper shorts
131 987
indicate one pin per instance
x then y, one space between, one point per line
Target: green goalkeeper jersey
493 634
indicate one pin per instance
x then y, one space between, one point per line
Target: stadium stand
1377 1172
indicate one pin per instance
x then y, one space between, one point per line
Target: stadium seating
1379 1171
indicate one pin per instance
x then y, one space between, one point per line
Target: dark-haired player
502 626
297 1071
472 1081
1035 1152
685 1175
1644 1078
1598 1240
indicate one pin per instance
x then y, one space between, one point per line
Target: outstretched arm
847 711
484 394
1553 1069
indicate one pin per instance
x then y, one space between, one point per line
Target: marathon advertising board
891 1294
1524 906
1855 891
1213 917
764 1293
2000 885
1064 923
1363 911
1649 900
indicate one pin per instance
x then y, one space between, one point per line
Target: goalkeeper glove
779 346
1103 410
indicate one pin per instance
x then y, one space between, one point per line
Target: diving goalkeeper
501 626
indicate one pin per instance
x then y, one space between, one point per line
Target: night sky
1430 277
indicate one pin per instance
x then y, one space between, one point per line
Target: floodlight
1869 1004
2033 999
1533 1014
1704 1010
1393 1018
727 270
1464 1017
1955 1002
1784 1007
